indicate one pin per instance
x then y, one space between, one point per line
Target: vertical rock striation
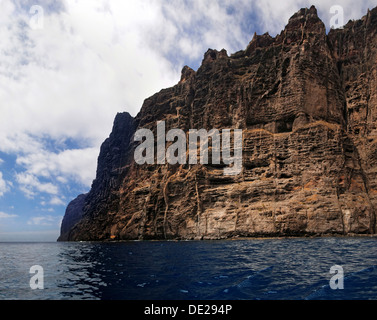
307 104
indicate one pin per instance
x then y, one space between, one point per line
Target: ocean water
273 269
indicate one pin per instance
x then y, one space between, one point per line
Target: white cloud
30 184
189 28
4 215
44 221
4 185
78 165
56 201
62 179
78 71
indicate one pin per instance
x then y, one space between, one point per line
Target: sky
68 67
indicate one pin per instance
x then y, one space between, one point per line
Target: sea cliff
307 104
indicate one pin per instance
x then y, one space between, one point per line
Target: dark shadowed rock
73 215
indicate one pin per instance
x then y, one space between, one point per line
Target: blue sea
269 269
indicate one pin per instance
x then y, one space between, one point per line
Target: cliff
307 104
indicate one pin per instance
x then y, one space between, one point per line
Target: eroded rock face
307 104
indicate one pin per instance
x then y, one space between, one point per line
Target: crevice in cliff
237 214
156 211
372 226
143 219
199 205
338 198
166 199
275 187
352 170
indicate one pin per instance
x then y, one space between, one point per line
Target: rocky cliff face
307 104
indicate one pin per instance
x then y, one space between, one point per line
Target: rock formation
307 104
